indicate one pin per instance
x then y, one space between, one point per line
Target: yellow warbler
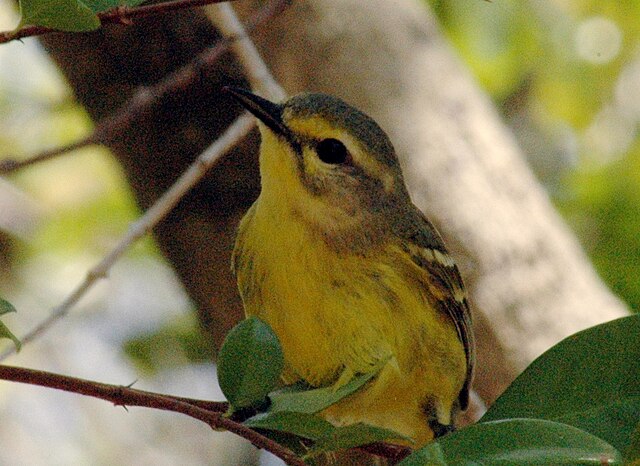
334 256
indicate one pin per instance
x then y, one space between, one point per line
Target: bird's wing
425 245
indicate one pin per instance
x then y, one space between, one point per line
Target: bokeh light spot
598 40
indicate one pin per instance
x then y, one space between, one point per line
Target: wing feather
426 248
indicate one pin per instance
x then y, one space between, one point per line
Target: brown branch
124 14
114 125
216 406
10 164
117 15
211 413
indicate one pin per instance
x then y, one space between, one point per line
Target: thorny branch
210 412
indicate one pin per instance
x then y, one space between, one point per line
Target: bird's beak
267 112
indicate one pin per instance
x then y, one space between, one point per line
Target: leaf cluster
579 403
249 367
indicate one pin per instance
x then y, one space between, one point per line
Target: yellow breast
331 310
324 258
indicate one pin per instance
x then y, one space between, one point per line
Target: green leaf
354 435
301 424
6 333
517 441
590 380
134 2
249 363
326 436
6 307
303 400
178 342
612 422
65 15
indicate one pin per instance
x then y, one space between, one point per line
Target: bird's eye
332 151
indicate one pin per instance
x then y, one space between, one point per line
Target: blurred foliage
565 74
605 213
92 208
78 205
177 342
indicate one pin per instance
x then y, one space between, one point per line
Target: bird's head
332 163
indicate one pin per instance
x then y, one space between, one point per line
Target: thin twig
118 15
146 223
112 127
205 411
256 70
9 165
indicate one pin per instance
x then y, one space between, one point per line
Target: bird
349 273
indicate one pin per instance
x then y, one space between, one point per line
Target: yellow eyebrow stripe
320 128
